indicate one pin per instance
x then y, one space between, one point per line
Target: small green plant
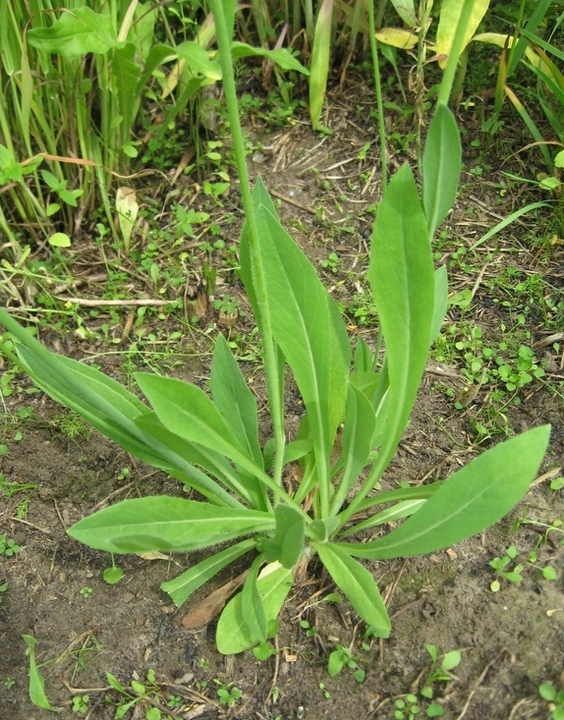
506 568
9 683
86 591
440 669
331 262
308 629
406 707
80 704
3 589
412 704
8 546
227 694
146 696
554 698
509 569
342 658
356 399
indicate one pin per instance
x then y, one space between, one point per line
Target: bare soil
510 641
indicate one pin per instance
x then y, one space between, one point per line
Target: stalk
271 353
378 88
453 57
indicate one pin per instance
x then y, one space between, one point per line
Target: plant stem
274 375
455 51
378 88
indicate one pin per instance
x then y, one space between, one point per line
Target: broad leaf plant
357 403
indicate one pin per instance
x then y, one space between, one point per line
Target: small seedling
307 628
80 704
554 698
342 657
440 672
326 694
203 663
114 574
85 591
3 589
502 565
406 707
331 262
138 693
9 683
263 651
227 694
8 547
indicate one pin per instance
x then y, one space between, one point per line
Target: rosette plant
357 403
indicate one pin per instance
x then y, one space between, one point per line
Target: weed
326 694
86 591
503 569
80 704
307 628
3 589
227 694
331 262
147 694
13 489
9 683
554 698
341 658
8 546
213 443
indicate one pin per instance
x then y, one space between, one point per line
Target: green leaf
189 413
441 301
125 85
403 285
358 585
75 34
320 54
273 586
234 400
113 575
306 325
442 163
37 693
356 442
166 523
60 240
181 587
281 56
472 499
179 457
289 536
198 60
252 606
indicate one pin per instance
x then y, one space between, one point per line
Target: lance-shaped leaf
182 586
188 412
252 605
358 585
273 586
320 54
234 400
166 523
306 324
442 163
472 499
403 284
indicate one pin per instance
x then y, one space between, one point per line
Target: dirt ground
510 641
